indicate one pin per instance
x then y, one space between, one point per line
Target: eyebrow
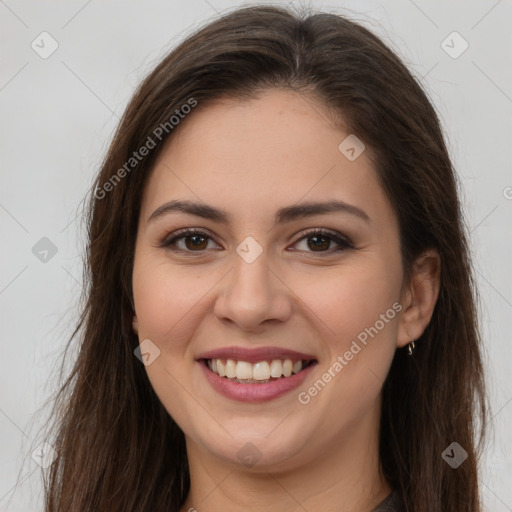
285 214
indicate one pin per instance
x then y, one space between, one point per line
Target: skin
251 158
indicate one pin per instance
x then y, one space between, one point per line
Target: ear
419 297
135 324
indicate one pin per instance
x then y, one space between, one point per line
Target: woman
280 312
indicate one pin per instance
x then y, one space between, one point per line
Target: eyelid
334 235
183 233
342 240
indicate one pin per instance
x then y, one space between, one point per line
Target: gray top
389 504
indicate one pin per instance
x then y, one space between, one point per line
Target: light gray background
58 115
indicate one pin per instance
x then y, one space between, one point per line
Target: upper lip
254 355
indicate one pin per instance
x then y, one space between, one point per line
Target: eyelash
343 242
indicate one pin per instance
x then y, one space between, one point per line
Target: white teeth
230 369
260 371
287 367
276 368
243 370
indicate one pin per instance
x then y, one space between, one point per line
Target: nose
253 295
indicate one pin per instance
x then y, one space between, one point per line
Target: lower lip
254 392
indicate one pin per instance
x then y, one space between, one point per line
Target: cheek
346 300
167 299
359 307
168 302
356 305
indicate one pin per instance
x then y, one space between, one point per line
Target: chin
260 446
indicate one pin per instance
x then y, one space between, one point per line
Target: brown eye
194 241
319 241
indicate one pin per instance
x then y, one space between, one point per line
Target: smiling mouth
261 372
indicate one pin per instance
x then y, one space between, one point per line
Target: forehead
252 157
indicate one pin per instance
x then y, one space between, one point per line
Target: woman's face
260 286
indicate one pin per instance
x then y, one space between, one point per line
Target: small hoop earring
410 347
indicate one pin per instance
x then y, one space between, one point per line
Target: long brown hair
118 449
